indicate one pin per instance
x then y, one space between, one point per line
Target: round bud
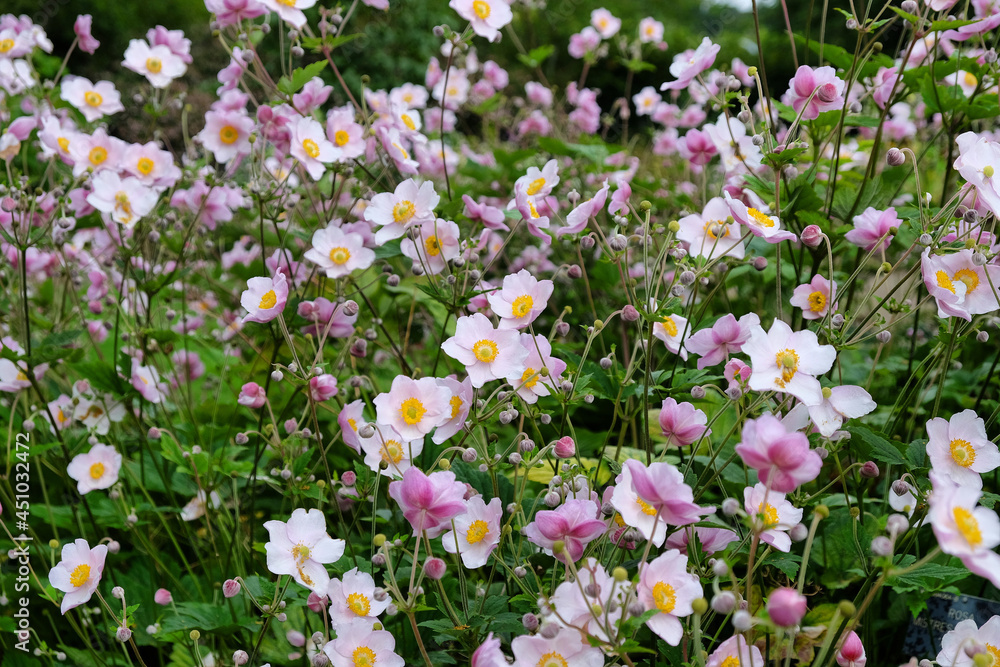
699 606
822 510
530 622
620 574
760 263
869 470
742 621
982 336
847 608
730 506
724 602
883 336
895 157
798 532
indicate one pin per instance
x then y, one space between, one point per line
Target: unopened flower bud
827 93
565 447
366 431
798 532
837 321
760 263
530 622
883 336
742 621
435 568
231 588
520 572
786 606
812 236
730 506
562 328
550 630
744 116
897 524
895 157
869 470
240 658
618 243
697 392
587 242
910 6
720 568
724 602
123 634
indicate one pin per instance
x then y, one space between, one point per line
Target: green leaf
929 577
300 78
536 56
871 445
330 42
390 249
916 453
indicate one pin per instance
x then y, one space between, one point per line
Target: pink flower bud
231 588
435 568
163 597
240 658
316 603
251 395
565 447
349 478
786 606
852 652
812 236
630 314
827 93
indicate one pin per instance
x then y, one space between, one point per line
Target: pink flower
977 160
78 573
786 606
605 23
673 330
788 362
252 395
564 448
634 511
735 651
491 217
960 449
824 82
782 460
852 652
152 165
666 586
434 245
233 12
429 502
698 148
310 146
882 85
815 297
349 419
651 31
871 226
583 42
960 288
97 469
660 487
574 523
301 547
345 134
264 298
531 384
289 11
565 648
528 208
620 198
476 533
690 64
489 654
538 94
461 402
322 387
162 597
727 335
397 211
521 299
682 423
645 101
963 528
81 27
338 253
413 407
353 598
157 63
711 540
357 643
760 224
124 200
485 16
387 446
840 403
487 353
93 100
226 134
146 381
577 219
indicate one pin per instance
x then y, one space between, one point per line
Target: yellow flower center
392 451
80 575
359 604
485 350
403 211
154 65
969 277
532 209
788 364
478 529
552 659
433 246
340 137
228 135
971 80
962 452
968 526
311 148
63 143
715 229
145 166
944 282
362 656
529 378
61 417
646 508
456 405
6 45
664 597
522 305
269 300
994 654
300 553
21 377
123 207
817 301
761 219
93 98
535 187
97 155
340 255
408 122
770 515
353 424
413 411
670 326
406 156
96 470
731 661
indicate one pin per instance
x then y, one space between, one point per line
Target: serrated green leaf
871 445
300 77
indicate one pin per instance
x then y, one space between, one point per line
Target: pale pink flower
583 42
357 643
78 573
301 547
350 419
673 330
322 387
871 226
726 336
413 407
960 287
698 147
645 101
353 598
82 27
666 586
963 528
711 540
682 424
94 100
650 31
539 182
815 297
840 403
605 23
387 446
781 458
882 85
688 65
124 200
829 89
978 158
574 523
788 362
786 606
574 606
433 244
152 165
520 300
476 533
226 134
489 654
852 652
660 487
577 219
233 12
487 353
345 134
760 224
960 449
965 638
198 506
565 648
146 381
772 515
410 204
527 206
338 253
538 94
252 395
485 16
97 469
429 502
491 217
462 395
289 11
531 384
310 146
157 63
264 298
